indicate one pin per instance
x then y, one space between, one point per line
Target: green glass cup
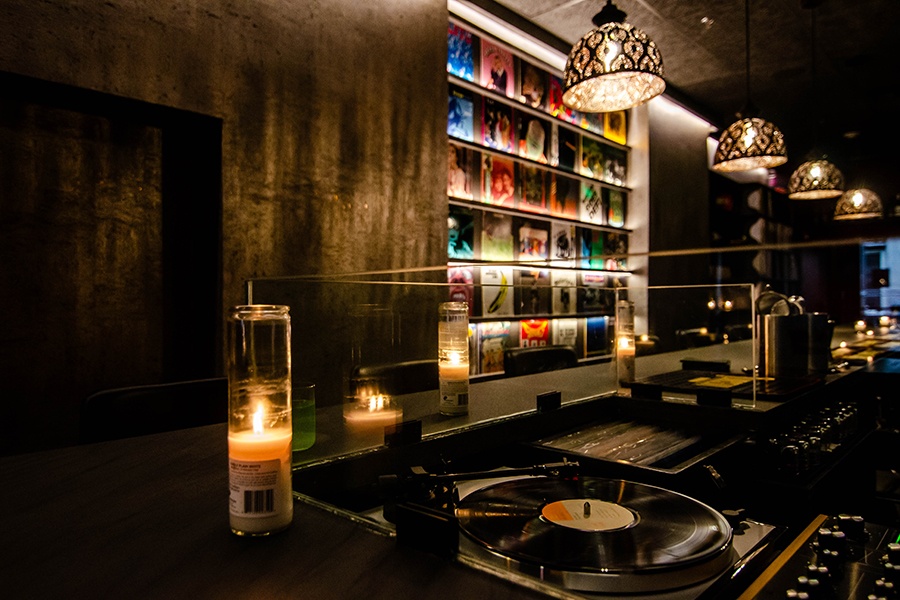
303 415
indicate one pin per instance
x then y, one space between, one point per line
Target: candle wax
260 467
454 371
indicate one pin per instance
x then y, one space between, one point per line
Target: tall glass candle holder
453 357
259 419
625 347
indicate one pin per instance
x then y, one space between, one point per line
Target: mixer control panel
842 557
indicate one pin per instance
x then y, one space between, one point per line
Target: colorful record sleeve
497 242
497 126
534 137
461 168
461 233
591 158
460 56
534 333
533 197
592 208
461 116
533 87
497 69
498 181
564 196
615 127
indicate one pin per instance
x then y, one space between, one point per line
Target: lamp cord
747 44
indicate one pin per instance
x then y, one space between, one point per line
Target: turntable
583 537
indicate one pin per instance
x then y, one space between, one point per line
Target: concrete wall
333 120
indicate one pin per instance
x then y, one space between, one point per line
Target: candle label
454 397
252 485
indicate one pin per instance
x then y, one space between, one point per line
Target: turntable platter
599 534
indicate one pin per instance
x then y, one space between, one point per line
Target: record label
588 514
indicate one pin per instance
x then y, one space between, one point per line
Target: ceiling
848 110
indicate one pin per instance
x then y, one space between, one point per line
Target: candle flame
454 358
258 420
377 403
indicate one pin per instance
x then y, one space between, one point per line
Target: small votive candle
453 357
259 420
860 326
625 347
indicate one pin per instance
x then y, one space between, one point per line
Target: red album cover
534 332
498 181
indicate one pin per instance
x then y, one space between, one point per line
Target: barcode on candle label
252 487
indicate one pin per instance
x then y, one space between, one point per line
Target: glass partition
369 344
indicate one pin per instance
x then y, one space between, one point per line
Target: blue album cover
460 59
460 119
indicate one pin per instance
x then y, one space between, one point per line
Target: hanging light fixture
858 204
817 178
613 67
750 142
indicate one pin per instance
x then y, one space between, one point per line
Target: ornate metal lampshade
815 180
750 143
613 67
858 204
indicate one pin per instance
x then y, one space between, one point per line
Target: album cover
534 333
533 292
592 209
617 244
563 244
460 56
497 126
615 166
591 248
564 196
532 239
564 299
567 142
596 336
462 286
497 237
460 172
461 232
461 117
615 127
615 202
564 332
493 340
594 296
534 137
592 122
591 158
497 69
497 291
555 104
498 181
533 197
533 89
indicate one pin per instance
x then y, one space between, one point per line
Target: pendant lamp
858 204
750 142
817 178
613 67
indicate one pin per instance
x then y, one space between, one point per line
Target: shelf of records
499 236
591 337
476 61
504 182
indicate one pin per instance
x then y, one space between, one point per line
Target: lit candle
884 321
453 358
372 413
860 326
259 420
260 477
456 368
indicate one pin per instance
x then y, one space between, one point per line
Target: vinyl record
602 526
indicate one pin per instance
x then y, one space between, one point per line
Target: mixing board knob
797 595
819 572
812 587
892 573
854 526
884 589
893 554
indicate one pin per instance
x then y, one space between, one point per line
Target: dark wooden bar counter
147 517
